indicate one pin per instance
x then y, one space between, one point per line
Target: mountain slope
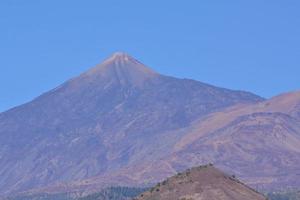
202 183
110 119
259 142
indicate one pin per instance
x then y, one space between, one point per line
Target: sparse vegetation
112 193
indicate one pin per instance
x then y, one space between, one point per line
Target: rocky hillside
259 142
201 183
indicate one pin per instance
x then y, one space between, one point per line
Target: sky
237 44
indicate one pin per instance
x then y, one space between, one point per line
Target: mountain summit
124 69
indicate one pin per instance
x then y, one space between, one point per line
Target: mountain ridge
122 127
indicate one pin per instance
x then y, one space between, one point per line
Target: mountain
201 183
93 129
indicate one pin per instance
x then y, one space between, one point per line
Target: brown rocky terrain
201 183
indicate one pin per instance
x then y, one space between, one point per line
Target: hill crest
201 183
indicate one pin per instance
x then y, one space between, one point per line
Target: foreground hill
88 132
201 183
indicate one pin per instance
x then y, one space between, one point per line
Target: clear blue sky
251 45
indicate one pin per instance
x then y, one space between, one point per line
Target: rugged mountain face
93 129
259 143
201 183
